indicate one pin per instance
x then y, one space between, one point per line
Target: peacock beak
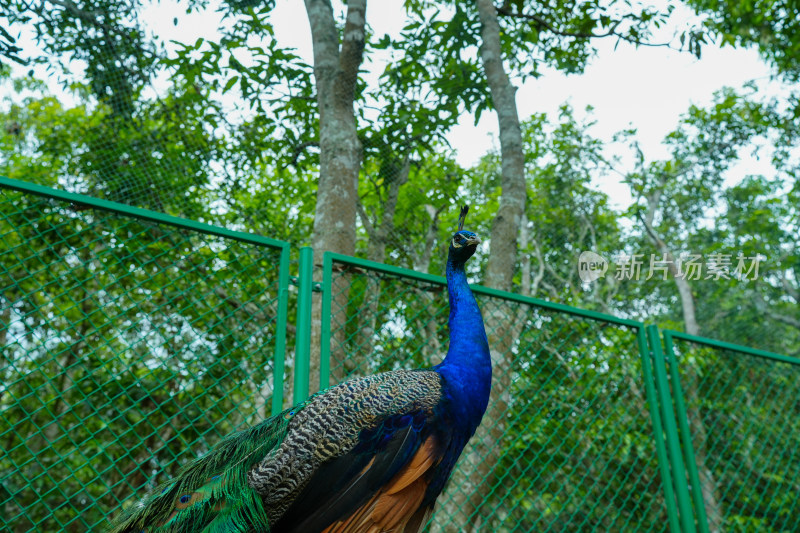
473 241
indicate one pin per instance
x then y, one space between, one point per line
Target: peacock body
370 455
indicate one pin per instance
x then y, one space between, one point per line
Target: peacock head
463 243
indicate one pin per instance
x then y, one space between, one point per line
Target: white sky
644 88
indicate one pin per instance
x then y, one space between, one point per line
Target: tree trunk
473 481
376 251
335 72
432 352
790 290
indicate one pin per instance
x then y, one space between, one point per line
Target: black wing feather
343 484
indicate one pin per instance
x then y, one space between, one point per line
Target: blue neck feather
467 368
467 334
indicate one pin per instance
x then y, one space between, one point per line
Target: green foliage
104 35
694 211
772 27
565 208
589 422
127 347
177 149
742 401
41 140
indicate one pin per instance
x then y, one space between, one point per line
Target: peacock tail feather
211 494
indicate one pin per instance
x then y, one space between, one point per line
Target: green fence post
671 430
325 327
663 460
302 352
280 331
686 434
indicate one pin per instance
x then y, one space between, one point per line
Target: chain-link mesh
567 443
127 346
741 410
132 343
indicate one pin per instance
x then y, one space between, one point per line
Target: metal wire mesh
567 443
132 341
741 414
127 346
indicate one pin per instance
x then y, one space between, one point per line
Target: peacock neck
467 368
469 347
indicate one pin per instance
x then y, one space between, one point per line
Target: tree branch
537 280
299 149
763 306
543 24
362 214
684 289
525 266
92 17
422 261
787 286
352 51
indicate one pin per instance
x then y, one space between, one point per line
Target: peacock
371 454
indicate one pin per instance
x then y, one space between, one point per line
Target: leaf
230 83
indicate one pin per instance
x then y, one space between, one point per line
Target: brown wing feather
347 525
392 511
419 464
392 507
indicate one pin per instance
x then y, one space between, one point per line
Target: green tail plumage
211 494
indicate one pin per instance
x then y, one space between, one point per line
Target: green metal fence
126 347
738 411
132 341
